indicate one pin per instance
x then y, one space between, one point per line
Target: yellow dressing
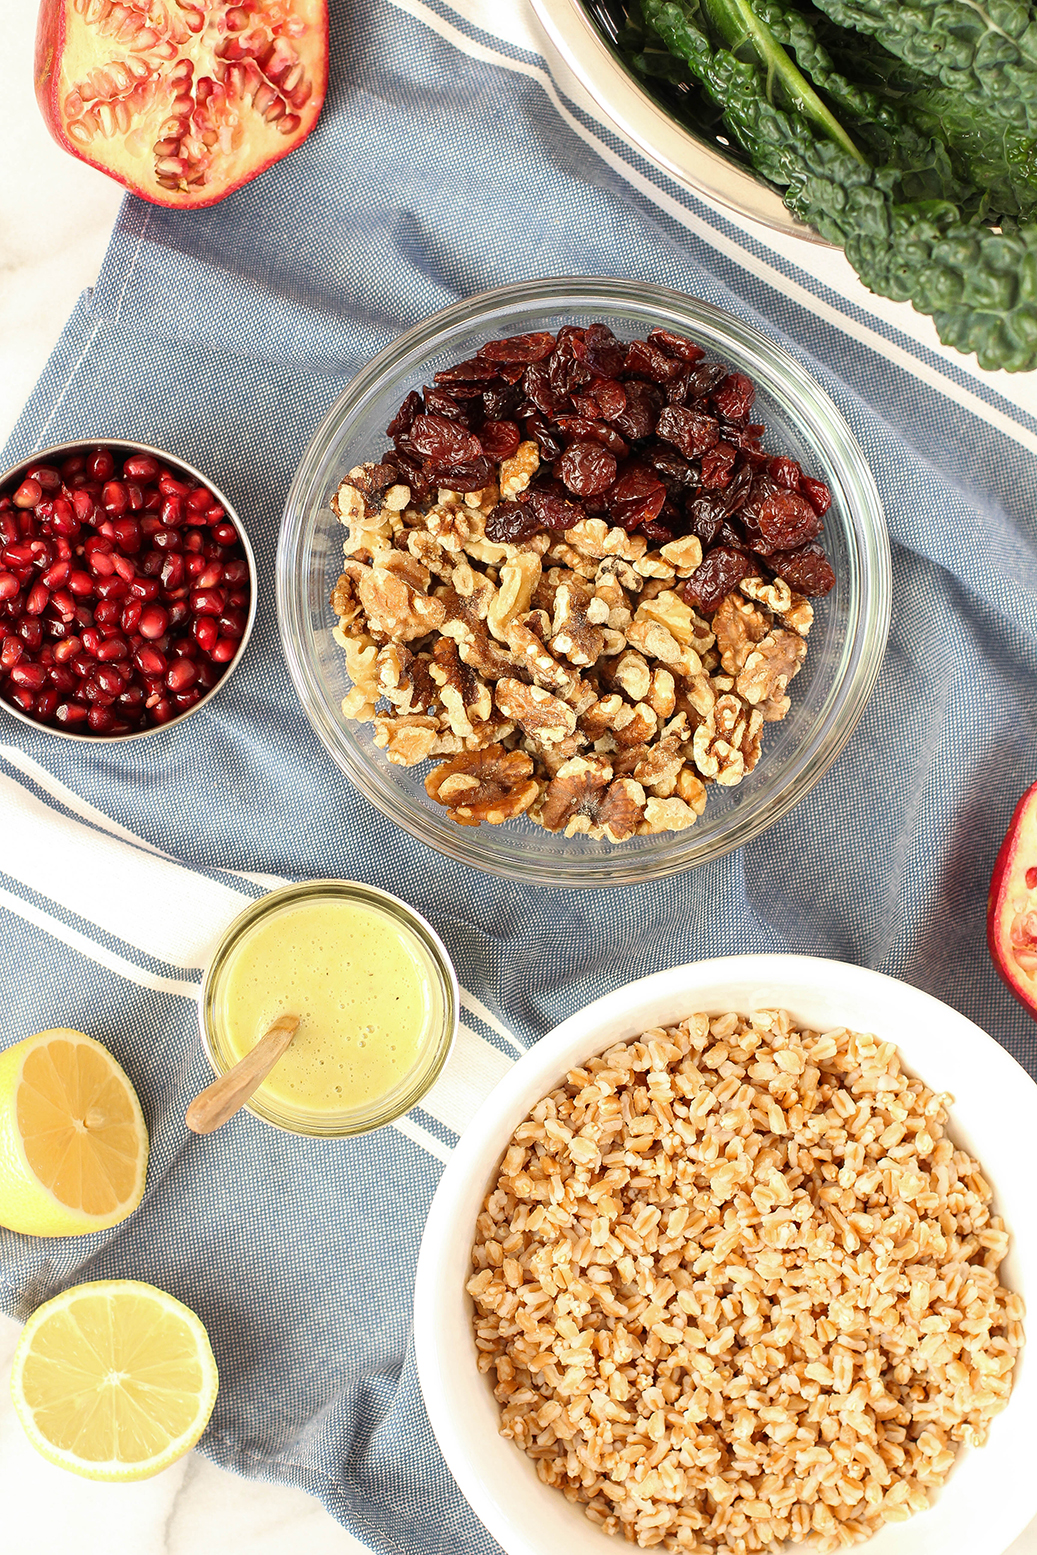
363 985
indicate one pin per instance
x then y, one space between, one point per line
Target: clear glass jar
847 641
435 1041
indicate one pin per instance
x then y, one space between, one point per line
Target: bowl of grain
737 1256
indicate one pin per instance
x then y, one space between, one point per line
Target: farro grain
737 1287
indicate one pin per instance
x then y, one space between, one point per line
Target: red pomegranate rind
185 112
1012 905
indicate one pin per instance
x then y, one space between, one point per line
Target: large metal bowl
579 49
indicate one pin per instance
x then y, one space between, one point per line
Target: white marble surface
55 218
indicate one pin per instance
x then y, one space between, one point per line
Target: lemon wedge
73 1144
114 1380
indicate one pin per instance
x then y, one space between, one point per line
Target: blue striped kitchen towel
446 162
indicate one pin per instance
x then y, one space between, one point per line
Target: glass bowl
440 1025
846 643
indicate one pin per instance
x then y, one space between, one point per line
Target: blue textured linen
225 335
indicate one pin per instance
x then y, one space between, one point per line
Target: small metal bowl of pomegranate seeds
127 589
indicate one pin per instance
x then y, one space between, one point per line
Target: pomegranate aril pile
124 592
649 435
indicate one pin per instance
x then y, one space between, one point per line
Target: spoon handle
221 1100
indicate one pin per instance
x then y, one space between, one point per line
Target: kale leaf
902 213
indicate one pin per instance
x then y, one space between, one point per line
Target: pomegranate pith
181 102
1012 906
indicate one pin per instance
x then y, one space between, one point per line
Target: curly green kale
979 286
986 52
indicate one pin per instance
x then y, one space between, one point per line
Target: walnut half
491 785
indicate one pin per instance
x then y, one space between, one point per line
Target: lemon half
73 1144
114 1380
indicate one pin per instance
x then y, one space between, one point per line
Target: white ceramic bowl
991 1493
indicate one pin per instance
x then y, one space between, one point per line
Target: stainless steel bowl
55 455
579 49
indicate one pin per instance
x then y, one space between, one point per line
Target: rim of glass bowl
42 456
796 394
319 1125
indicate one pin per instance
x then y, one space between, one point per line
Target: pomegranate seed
70 713
30 630
150 498
64 521
172 512
46 703
181 674
208 602
95 692
145 588
57 575
109 680
154 622
169 486
131 700
75 464
223 650
126 532
63 603
113 587
199 500
205 632
115 497
178 613
195 566
101 563
166 540
226 534
37 599
67 650
235 572
92 640
45 475
152 563
187 699
212 575
19 554
112 649
101 720
23 698
162 710
8 585
130 615
62 678
83 664
28 494
100 465
81 584
135 496
107 613
214 513
172 571
11 652
33 676
140 467
83 506
9 530
208 675
149 661
232 623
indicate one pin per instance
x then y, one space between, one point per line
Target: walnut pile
563 677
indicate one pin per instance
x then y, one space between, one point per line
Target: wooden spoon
222 1099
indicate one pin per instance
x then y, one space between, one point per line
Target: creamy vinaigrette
363 986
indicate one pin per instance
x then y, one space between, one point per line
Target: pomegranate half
182 101
1012 907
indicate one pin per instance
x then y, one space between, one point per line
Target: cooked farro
738 1287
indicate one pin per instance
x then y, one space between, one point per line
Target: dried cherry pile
648 435
124 592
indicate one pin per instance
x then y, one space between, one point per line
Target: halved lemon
73 1144
114 1380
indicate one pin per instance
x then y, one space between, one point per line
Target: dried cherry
553 511
687 430
675 345
499 439
510 524
602 352
636 497
639 415
734 397
587 469
806 570
720 571
519 348
466 475
404 417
